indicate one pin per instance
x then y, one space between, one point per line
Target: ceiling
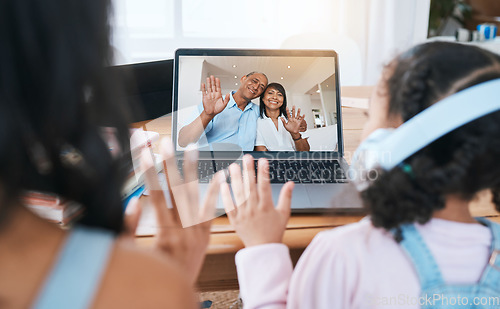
285 71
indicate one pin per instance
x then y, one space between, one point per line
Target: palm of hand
252 213
293 125
213 103
183 229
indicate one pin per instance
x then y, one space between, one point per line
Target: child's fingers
237 184
191 181
207 211
167 153
173 177
264 184
249 181
227 200
285 198
163 215
132 216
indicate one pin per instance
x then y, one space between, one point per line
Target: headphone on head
385 148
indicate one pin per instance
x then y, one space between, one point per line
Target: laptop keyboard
300 171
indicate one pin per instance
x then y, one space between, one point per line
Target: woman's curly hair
462 162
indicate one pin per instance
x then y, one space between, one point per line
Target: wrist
206 115
261 242
296 136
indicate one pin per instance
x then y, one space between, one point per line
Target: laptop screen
284 101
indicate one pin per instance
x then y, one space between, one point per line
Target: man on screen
231 119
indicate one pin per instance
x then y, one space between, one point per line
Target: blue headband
439 119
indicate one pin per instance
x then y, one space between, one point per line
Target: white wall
303 102
327 96
146 30
190 78
317 72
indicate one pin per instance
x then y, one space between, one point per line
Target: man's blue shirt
233 125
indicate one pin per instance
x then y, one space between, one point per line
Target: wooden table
219 271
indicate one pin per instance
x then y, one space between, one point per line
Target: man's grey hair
255 72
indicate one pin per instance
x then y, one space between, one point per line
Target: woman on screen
281 134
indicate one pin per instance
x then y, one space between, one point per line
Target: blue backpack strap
78 270
491 274
421 257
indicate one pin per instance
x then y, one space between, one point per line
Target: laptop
146 87
311 81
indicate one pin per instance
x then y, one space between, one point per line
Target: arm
138 276
326 277
166 276
183 228
264 266
301 144
260 148
213 104
264 274
267 279
191 133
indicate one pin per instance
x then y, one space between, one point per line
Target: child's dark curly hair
462 162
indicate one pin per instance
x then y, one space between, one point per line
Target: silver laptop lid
309 77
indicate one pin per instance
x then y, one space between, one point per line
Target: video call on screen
309 83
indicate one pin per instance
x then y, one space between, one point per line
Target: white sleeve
304 134
263 274
259 140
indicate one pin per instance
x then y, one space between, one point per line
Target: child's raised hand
184 227
254 216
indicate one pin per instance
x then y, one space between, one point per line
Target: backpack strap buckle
494 255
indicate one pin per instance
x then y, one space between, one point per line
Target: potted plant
444 12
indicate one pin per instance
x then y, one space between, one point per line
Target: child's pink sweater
358 266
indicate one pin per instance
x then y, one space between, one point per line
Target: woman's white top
272 139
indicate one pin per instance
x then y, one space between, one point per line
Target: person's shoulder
140 278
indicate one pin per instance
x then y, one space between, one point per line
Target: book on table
52 208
